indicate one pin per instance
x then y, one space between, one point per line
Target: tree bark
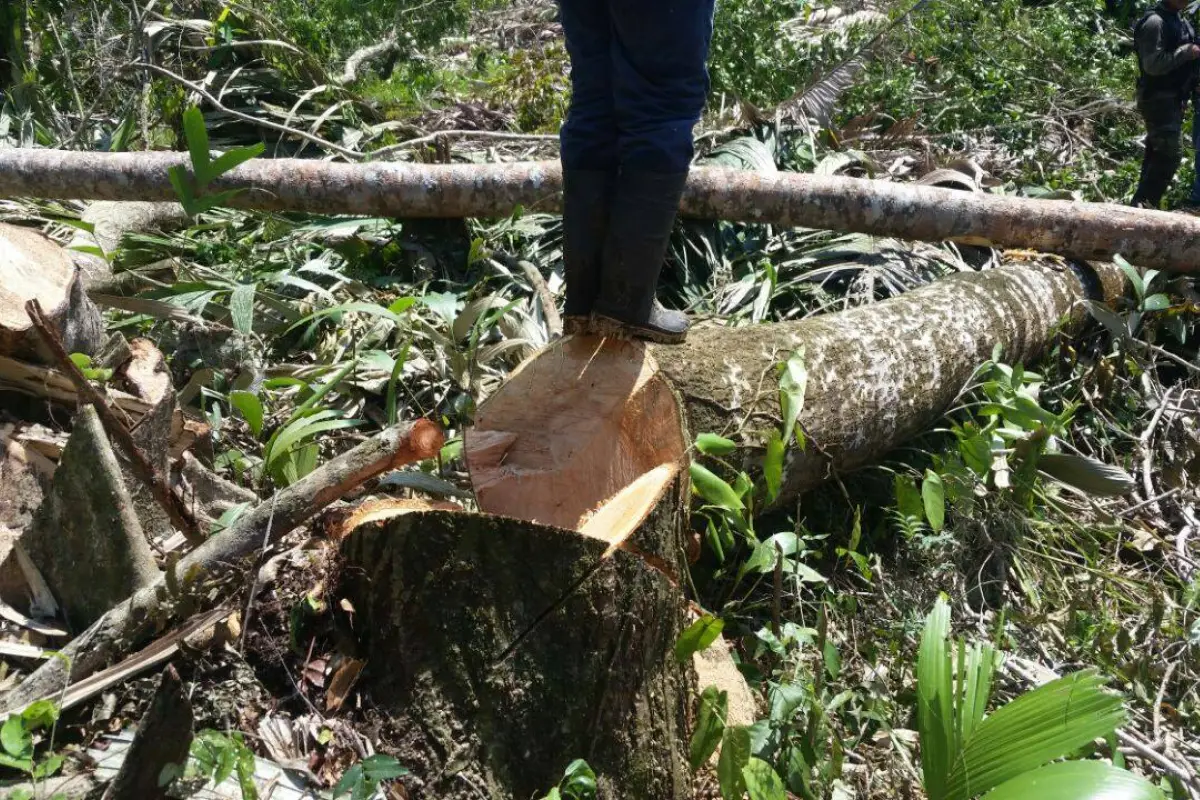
162 742
1078 230
34 267
877 375
500 650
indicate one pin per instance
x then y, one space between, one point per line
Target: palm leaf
1045 724
1076 780
935 719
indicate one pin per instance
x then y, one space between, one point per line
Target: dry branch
134 620
1085 231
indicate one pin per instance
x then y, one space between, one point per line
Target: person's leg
660 82
1164 126
588 142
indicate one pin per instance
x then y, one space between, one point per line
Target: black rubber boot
586 202
644 207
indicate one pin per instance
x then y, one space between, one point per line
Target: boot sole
613 328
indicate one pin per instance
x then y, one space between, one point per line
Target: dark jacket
1162 38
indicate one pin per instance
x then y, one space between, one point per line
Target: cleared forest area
303 493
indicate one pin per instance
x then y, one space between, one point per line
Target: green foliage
20 735
698 636
191 188
578 783
361 781
216 756
965 754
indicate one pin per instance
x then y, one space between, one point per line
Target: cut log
34 268
1085 231
500 650
877 375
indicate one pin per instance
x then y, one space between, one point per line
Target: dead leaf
341 684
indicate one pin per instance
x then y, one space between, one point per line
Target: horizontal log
1087 231
878 375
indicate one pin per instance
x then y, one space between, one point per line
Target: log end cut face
31 268
585 421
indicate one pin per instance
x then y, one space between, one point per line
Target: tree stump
33 267
503 645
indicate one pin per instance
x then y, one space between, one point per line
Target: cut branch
1086 231
133 621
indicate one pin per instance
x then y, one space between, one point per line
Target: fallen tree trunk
1077 230
135 619
877 375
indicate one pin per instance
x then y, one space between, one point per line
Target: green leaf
1087 473
1040 726
698 636
350 778
233 159
197 142
908 499
250 407
773 465
792 386
579 780
15 737
346 308
762 782
933 496
443 304
22 764
1139 286
241 307
182 183
41 714
1076 780
710 725
381 767
935 717
735 755
712 445
1156 302
714 490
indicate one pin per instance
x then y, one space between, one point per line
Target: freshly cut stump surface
572 428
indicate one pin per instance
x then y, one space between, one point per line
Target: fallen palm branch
1084 231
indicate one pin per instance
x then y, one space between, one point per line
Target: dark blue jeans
639 81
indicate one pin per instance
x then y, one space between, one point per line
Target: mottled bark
500 650
878 374
131 622
1078 230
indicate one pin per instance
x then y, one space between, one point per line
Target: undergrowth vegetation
1054 507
